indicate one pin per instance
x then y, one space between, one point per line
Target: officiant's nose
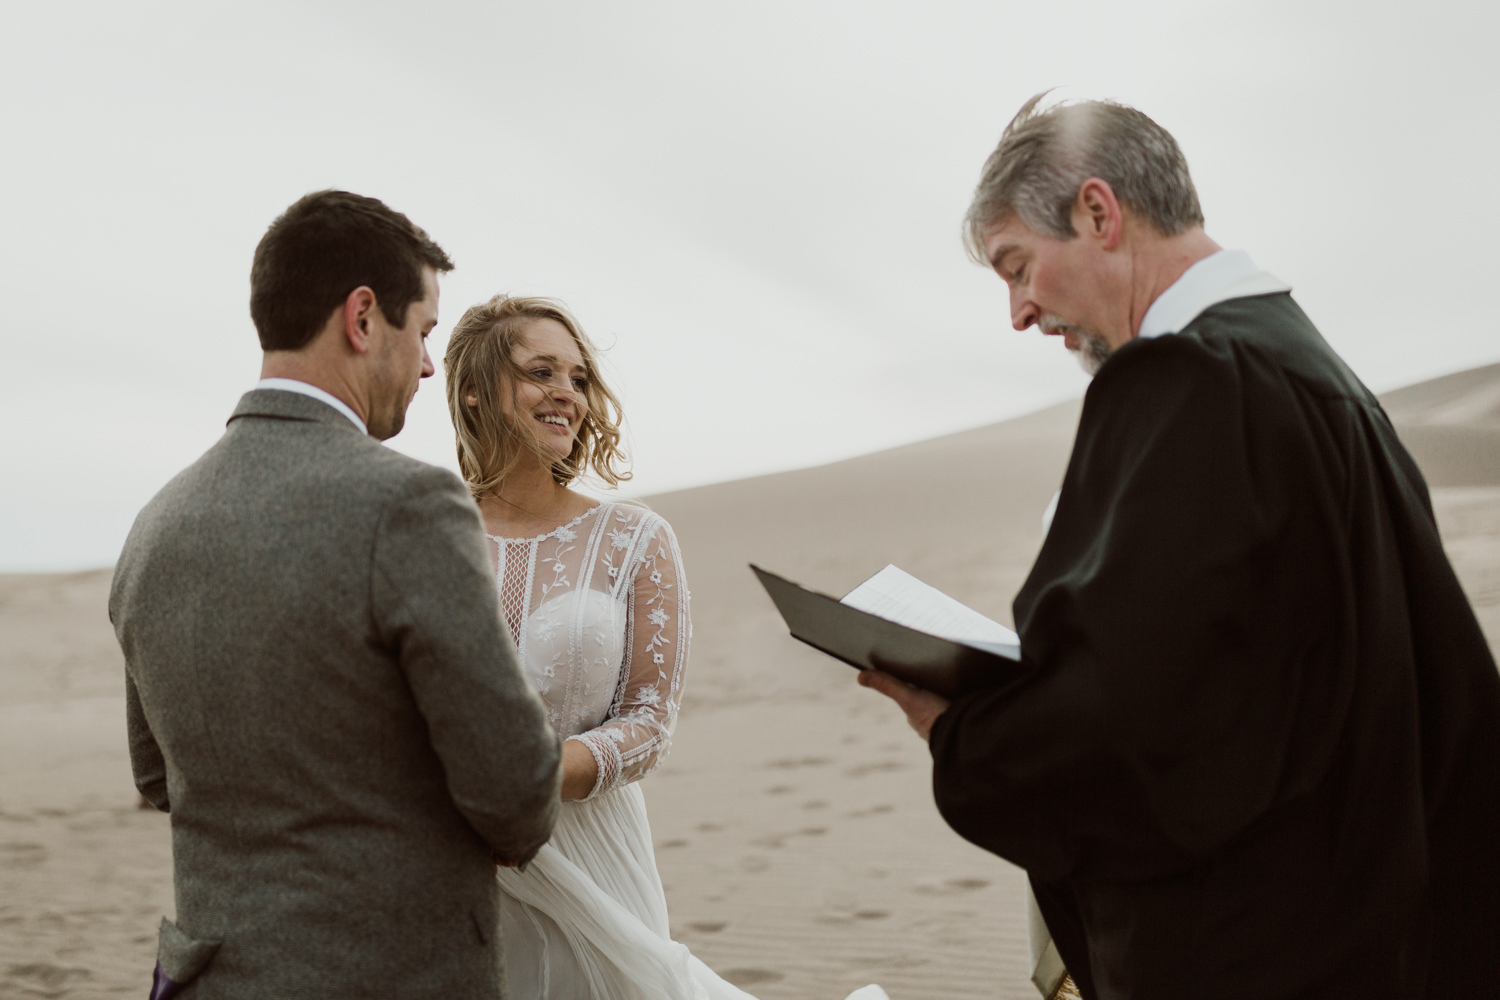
1023 311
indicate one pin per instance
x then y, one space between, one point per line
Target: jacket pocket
179 960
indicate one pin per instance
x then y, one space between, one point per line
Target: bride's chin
549 444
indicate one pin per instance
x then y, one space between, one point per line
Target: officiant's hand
921 707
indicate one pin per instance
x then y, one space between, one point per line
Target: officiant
1254 749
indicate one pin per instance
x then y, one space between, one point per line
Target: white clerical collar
1219 277
321 395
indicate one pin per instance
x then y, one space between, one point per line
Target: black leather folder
863 640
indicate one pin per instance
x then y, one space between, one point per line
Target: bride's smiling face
551 402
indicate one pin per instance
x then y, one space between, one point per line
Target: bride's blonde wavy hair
480 362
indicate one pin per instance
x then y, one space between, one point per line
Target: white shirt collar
1219 277
321 395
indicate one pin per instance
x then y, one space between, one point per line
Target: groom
319 687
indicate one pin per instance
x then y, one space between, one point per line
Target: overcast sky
753 207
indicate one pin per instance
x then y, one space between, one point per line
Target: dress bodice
599 611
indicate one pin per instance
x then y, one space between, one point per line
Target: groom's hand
921 707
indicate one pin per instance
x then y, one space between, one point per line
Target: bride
596 600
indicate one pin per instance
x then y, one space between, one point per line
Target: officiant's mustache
1088 347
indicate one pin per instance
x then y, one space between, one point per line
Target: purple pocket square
179 960
163 988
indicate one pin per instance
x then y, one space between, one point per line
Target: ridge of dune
1471 396
1451 425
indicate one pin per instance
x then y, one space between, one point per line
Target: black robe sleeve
1180 628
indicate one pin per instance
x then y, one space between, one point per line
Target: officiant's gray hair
1045 155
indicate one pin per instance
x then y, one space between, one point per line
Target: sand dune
793 821
1452 426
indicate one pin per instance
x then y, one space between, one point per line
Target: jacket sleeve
434 603
146 760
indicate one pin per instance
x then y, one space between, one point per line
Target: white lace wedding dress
599 612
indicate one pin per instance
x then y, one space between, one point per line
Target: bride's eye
542 374
580 383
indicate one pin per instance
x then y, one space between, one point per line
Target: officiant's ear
1097 213
360 309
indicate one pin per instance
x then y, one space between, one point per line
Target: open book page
897 596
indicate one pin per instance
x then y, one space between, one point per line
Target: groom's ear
360 309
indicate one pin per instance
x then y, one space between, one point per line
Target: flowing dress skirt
587 920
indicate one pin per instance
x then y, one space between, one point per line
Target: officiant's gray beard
1093 353
1093 350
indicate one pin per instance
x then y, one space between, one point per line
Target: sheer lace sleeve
638 731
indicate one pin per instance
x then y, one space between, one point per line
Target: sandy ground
793 822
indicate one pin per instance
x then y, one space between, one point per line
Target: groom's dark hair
324 246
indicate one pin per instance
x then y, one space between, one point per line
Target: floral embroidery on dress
545 628
599 612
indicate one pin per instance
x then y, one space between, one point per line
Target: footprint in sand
860 770
708 926
815 804
19 854
968 884
710 827
776 841
45 979
668 844
950 886
788 763
779 790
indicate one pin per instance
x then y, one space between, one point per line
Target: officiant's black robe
1255 751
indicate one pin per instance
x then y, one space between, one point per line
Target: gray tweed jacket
322 693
